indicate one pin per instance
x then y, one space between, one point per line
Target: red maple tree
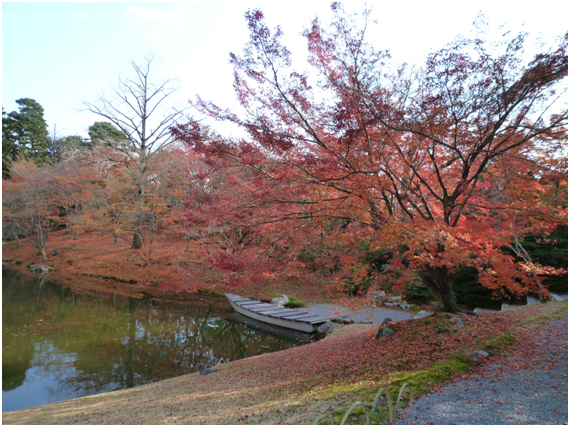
441 167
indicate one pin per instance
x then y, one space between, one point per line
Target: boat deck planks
296 319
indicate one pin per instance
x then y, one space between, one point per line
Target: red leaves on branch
443 165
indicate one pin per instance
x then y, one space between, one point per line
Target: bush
469 291
294 303
416 292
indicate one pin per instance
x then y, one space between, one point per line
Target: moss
438 372
556 309
492 343
294 303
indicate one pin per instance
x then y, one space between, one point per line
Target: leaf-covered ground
297 385
169 267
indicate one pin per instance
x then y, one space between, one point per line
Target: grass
377 414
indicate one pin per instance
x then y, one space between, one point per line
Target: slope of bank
169 268
297 385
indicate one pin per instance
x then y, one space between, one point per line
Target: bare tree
139 107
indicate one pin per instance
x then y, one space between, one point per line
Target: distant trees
138 109
24 134
105 133
27 206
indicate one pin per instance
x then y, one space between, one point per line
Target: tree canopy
439 166
24 134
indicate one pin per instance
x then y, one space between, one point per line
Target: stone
327 327
280 301
394 299
421 314
378 295
556 297
55 252
405 306
481 353
342 318
207 371
456 321
40 268
383 332
389 304
386 321
484 310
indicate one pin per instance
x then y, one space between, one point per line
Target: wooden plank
258 308
285 313
308 317
271 310
250 302
287 316
297 317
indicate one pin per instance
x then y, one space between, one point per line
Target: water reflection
58 344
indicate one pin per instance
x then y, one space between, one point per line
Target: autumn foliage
436 168
357 175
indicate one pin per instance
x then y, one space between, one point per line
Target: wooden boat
297 319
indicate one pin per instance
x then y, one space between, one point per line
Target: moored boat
296 319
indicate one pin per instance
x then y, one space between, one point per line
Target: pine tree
24 134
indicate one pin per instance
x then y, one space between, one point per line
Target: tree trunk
137 240
438 282
43 253
116 241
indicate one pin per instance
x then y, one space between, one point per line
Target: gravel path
529 386
374 315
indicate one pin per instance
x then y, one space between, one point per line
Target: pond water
58 344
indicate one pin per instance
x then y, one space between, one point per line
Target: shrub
469 291
294 303
417 292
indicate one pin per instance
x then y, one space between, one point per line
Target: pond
58 344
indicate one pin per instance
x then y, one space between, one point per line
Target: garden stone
386 321
55 252
394 299
481 353
378 295
342 318
207 371
383 332
405 306
422 313
40 268
280 301
457 322
389 304
327 327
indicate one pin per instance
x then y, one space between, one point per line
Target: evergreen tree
9 147
105 131
24 134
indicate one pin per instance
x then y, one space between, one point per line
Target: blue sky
62 53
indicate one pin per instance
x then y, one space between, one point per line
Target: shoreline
346 366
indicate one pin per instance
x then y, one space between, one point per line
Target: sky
63 54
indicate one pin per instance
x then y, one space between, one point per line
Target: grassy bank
298 385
